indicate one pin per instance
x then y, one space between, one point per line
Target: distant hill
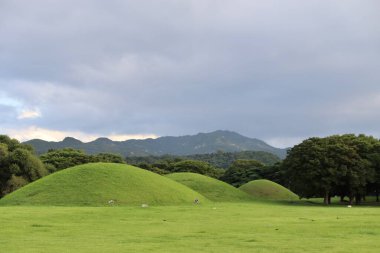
202 143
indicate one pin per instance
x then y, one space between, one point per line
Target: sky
277 70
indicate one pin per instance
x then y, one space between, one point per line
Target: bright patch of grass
211 188
95 184
266 189
223 227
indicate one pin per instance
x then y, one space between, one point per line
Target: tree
61 159
18 165
334 165
108 158
243 171
64 158
374 158
195 167
275 173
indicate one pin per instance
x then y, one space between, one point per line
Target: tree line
239 172
219 159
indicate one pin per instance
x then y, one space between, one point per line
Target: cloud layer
276 70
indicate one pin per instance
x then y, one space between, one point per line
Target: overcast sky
280 70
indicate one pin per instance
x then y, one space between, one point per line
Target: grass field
223 227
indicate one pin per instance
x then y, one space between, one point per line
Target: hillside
211 188
95 184
202 143
219 160
266 189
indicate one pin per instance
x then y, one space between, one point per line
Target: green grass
222 227
95 184
211 188
266 189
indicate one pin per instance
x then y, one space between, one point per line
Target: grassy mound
266 189
211 188
95 184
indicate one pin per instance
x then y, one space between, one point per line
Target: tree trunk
351 198
358 199
329 199
341 198
326 198
377 196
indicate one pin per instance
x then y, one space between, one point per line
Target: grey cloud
268 69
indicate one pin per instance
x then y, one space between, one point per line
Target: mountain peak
71 140
102 140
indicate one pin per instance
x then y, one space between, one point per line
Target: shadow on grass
319 202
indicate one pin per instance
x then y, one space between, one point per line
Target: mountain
202 143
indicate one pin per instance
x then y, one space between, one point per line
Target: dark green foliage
374 158
108 158
243 171
64 158
275 173
224 159
219 160
18 165
196 167
337 165
170 164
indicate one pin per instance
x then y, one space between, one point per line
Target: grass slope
95 184
211 188
266 189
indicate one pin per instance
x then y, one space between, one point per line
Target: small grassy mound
211 188
266 189
96 184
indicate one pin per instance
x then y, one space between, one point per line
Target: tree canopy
64 158
243 171
18 165
343 165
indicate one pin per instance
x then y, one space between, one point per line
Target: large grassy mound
266 189
211 188
95 184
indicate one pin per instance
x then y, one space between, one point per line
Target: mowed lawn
232 227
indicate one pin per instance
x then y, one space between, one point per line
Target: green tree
334 165
195 167
18 165
108 158
61 159
243 171
64 158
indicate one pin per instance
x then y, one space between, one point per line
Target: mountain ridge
201 143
